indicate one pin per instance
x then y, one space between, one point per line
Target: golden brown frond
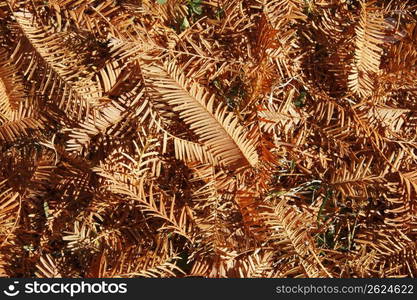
368 52
216 128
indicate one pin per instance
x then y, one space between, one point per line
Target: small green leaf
197 9
299 102
185 24
219 14
161 1
292 165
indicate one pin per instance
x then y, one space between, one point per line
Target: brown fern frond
368 52
47 268
214 125
293 237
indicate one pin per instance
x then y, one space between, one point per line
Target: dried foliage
243 138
